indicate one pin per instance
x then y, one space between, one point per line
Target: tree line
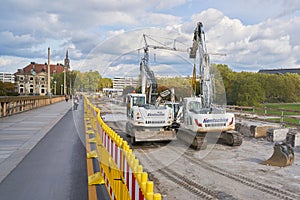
252 89
90 81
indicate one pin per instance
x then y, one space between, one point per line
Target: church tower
67 61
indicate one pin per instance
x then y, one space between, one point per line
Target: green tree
104 83
7 89
2 89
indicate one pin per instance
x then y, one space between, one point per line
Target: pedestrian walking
66 98
76 102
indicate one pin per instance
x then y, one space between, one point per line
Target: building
33 79
122 82
7 77
280 71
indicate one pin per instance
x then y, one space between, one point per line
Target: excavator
147 119
198 115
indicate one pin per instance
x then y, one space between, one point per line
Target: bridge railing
123 175
10 105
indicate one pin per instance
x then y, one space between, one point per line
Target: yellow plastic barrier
123 175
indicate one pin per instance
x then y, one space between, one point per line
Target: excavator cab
134 99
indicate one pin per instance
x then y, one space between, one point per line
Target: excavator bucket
283 155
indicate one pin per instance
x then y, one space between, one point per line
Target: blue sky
254 34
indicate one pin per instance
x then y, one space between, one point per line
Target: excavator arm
204 65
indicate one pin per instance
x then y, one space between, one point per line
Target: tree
104 83
2 89
87 81
7 89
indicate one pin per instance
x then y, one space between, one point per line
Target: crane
147 74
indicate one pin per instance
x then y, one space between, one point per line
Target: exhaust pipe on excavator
283 155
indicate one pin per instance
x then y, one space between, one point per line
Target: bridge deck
43 155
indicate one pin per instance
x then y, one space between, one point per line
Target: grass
276 109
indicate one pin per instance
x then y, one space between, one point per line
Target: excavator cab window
194 106
138 101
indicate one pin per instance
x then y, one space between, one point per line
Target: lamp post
65 80
61 89
48 85
55 87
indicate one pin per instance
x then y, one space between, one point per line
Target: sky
108 35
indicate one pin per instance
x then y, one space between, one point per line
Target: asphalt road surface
54 169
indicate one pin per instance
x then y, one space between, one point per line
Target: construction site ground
218 172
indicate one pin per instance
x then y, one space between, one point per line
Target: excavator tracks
196 141
199 142
232 138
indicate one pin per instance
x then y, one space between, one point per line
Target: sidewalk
21 132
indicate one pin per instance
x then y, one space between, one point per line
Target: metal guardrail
10 105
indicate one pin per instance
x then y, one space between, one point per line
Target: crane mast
147 74
204 65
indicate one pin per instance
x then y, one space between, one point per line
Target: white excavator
198 115
148 120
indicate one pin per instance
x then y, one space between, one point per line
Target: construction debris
283 155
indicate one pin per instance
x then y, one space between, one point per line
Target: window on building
43 89
31 88
31 78
21 78
21 88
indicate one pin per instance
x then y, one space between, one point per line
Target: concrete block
293 137
260 131
254 128
277 134
243 129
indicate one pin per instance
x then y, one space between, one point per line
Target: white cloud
159 19
269 43
167 4
97 31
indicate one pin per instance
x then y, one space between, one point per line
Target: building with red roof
33 79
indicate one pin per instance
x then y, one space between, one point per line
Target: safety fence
121 171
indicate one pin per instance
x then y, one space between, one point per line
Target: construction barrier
120 169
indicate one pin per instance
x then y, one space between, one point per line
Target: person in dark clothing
76 102
66 98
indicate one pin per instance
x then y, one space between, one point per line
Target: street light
55 87
61 89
